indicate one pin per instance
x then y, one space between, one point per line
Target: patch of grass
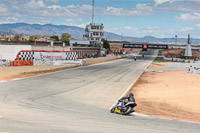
141 52
159 60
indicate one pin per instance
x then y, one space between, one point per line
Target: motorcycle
126 110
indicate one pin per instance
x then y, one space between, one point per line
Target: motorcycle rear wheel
112 110
128 111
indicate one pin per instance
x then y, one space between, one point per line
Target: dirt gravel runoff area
8 73
168 94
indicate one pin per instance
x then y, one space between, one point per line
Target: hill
77 32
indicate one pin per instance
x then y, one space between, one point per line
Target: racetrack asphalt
78 100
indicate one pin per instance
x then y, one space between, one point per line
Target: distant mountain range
77 32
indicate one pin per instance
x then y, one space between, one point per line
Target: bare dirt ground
169 94
8 73
157 66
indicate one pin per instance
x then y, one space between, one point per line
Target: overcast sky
137 18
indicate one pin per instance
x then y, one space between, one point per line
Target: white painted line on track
142 115
16 79
177 120
130 86
163 118
4 81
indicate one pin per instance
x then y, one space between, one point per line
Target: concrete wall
49 48
9 52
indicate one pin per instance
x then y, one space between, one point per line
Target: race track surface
78 100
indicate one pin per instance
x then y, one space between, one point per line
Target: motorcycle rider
123 101
130 98
135 58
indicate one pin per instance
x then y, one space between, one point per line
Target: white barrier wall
50 55
9 52
180 60
4 63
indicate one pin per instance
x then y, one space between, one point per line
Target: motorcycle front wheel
112 110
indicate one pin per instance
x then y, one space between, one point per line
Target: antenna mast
92 11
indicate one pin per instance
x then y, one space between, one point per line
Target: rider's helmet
131 94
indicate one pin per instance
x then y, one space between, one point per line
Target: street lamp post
176 39
175 44
9 31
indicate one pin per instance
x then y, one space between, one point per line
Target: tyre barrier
21 63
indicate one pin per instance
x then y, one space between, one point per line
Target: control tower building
94 32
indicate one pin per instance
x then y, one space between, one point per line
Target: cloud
186 29
4 20
136 32
181 6
69 20
54 7
78 25
112 11
189 17
74 20
52 1
35 5
197 25
158 2
144 7
153 27
40 9
3 8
